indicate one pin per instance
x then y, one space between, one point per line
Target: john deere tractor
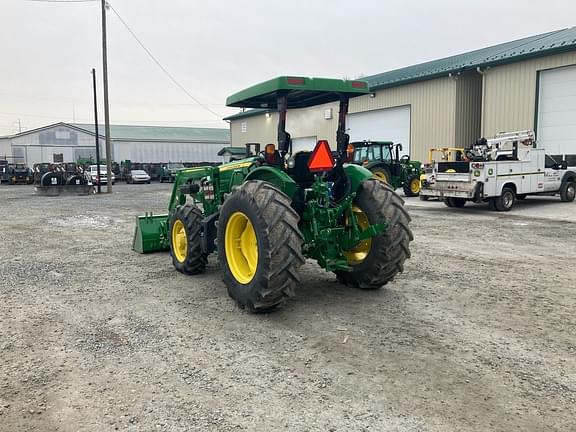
383 159
265 214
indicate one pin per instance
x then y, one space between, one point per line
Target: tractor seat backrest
300 173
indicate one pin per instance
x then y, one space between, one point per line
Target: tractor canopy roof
302 92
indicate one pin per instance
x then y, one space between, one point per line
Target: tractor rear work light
321 159
295 80
359 84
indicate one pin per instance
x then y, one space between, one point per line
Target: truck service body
508 164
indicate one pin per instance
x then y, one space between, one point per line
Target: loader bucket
151 233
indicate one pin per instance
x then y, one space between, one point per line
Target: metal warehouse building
64 142
525 84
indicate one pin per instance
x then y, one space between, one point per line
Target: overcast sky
215 48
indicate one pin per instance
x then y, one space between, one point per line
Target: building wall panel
509 101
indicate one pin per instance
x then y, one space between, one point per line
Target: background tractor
268 212
383 159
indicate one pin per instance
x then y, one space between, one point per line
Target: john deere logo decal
490 171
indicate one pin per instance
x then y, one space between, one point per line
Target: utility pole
96 130
106 110
19 126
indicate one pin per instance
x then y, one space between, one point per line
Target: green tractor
383 159
265 214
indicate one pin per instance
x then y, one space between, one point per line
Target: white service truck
500 171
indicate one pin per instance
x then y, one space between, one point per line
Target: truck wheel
567 191
412 186
506 200
185 234
455 202
377 260
259 246
448 202
382 174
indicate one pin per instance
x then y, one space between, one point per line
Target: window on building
243 127
58 157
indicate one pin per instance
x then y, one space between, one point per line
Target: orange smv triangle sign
321 159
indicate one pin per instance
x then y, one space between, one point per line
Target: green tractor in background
383 159
266 213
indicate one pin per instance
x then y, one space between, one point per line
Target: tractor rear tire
388 250
259 246
412 186
382 174
567 191
185 232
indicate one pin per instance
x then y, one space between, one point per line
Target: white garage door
556 128
390 124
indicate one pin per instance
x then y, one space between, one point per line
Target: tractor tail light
321 159
269 153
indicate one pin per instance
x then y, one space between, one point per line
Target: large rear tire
259 246
377 260
381 173
185 234
412 186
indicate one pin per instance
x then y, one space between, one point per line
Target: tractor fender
275 177
357 174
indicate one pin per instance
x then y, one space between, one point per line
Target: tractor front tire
382 174
185 233
259 246
387 251
412 186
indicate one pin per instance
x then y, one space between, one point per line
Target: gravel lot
478 334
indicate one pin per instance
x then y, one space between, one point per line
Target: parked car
103 179
137 176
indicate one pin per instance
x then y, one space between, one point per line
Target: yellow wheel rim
415 185
359 252
179 241
381 176
241 247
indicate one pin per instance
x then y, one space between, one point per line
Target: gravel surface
478 334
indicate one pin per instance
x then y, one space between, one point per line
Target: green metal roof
303 92
534 46
160 133
249 113
232 151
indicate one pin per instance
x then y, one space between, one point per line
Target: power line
180 86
